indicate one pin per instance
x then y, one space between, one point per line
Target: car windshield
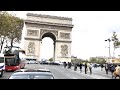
31 77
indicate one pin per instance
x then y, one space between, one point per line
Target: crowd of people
113 68
88 66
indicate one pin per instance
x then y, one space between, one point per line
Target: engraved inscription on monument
32 32
64 50
31 48
65 35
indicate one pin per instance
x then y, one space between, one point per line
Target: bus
14 59
2 64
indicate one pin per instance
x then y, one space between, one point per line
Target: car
32 74
56 63
32 62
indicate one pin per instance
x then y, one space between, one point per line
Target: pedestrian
65 64
75 66
112 69
70 64
102 67
80 67
106 68
85 68
90 67
116 73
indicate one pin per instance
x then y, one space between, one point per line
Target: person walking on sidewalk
90 68
106 68
86 68
112 69
80 67
102 67
65 64
116 73
75 66
89 65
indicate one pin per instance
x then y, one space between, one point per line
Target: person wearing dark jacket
85 68
102 67
106 68
65 64
75 66
112 69
81 67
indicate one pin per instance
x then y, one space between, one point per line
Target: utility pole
109 40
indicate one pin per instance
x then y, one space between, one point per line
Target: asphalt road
60 72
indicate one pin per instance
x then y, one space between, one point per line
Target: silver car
32 74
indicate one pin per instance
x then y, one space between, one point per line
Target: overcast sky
90 30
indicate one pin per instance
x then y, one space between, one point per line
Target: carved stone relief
49 27
64 50
31 48
43 31
65 35
32 32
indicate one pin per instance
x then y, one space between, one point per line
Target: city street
56 37
60 72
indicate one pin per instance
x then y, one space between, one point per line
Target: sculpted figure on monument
64 50
31 47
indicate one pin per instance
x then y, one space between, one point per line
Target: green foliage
93 60
11 27
98 60
116 42
101 60
78 61
51 59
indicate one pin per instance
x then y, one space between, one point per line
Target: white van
2 64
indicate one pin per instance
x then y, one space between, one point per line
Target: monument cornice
63 41
48 23
49 16
27 38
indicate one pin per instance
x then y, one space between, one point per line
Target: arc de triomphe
57 28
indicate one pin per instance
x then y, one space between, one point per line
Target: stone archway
53 37
58 28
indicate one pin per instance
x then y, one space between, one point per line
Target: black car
32 74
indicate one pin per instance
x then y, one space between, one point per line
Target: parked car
44 62
32 74
32 62
56 63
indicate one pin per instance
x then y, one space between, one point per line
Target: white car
32 62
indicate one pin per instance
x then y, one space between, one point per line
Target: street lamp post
109 40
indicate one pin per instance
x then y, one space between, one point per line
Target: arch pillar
63 51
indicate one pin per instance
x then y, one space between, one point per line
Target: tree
4 24
100 60
11 28
116 42
93 60
51 59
